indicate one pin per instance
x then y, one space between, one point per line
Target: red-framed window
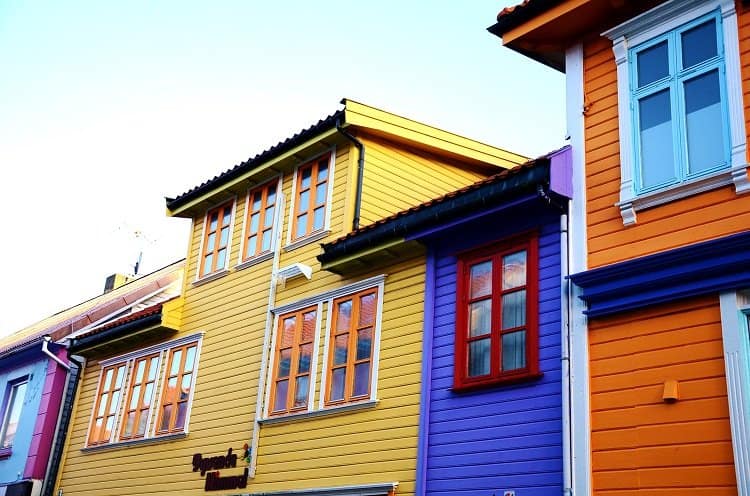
216 239
293 361
497 295
259 221
107 401
140 396
349 372
311 197
177 387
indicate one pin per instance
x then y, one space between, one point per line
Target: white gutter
46 351
565 309
266 338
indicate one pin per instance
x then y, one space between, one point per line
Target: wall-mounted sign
210 467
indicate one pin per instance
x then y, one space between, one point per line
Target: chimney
115 281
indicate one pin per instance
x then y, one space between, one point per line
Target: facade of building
276 375
492 395
657 114
38 380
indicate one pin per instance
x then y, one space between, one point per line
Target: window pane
153 369
254 222
340 349
268 217
481 279
224 236
479 357
147 394
287 334
257 201
480 315
114 402
171 394
282 388
142 423
140 369
108 379
176 358
120 375
109 424
320 194
305 355
185 387
337 384
129 421
252 245
705 130
102 405
13 414
367 309
657 154
285 362
514 350
271 195
306 177
265 244
699 44
304 202
319 218
214 221
514 270
653 63
308 326
343 318
211 243
190 359
323 170
227 216
166 415
134 397
514 309
207 263
364 343
301 225
302 387
221 258
179 422
361 379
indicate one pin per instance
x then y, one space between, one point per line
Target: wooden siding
699 217
639 443
396 179
501 437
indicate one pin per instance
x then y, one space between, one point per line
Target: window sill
307 240
210 277
736 175
6 452
495 382
135 442
254 260
332 410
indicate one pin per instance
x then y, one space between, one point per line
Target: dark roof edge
506 186
513 17
251 163
88 341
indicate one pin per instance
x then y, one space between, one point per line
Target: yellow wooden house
272 375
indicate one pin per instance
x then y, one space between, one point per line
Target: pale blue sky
107 107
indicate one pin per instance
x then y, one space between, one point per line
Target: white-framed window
310 209
682 127
216 241
351 349
13 406
735 325
145 394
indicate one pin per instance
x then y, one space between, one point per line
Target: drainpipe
75 368
260 399
360 173
566 309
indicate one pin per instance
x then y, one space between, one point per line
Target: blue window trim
675 82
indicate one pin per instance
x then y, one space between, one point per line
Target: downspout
566 310
360 173
260 399
63 418
46 351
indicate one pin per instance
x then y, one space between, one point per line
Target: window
216 237
496 314
682 128
311 197
12 414
350 362
125 408
293 358
259 222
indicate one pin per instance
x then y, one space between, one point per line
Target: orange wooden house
657 114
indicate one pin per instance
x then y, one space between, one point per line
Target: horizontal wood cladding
507 436
640 443
398 178
697 218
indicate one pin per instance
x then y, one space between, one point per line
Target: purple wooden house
493 389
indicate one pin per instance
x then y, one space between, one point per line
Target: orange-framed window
107 401
351 344
311 197
216 239
140 397
177 388
259 222
293 360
